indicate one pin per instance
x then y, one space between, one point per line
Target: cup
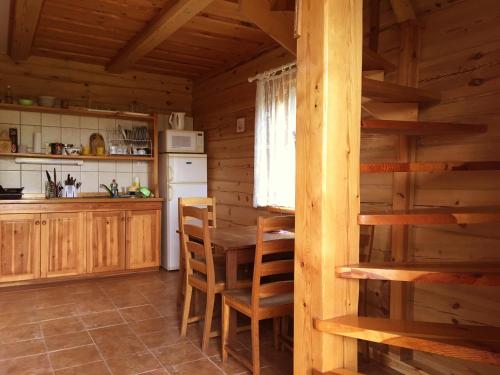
86 150
99 151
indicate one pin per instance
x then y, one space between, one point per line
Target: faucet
113 192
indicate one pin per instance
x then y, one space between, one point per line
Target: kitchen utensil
86 150
176 120
11 193
37 142
55 177
47 101
100 150
13 139
56 148
26 102
48 176
96 140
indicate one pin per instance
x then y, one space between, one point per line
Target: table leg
232 282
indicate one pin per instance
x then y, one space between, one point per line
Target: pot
56 148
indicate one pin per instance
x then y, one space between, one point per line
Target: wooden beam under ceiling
25 15
279 25
165 24
403 9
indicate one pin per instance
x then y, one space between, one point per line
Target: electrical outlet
240 125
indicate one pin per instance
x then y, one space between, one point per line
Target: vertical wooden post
327 186
401 306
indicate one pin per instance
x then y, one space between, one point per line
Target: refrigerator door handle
169 195
170 174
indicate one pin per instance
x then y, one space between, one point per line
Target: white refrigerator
180 175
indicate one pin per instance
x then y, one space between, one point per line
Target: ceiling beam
24 21
279 25
403 9
165 24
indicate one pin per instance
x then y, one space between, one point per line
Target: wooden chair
199 267
266 299
209 203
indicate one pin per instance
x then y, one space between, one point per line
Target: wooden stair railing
416 128
480 274
473 343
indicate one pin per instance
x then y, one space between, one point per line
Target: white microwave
181 141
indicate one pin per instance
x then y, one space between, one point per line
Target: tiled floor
123 325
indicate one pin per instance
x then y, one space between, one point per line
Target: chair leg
276 332
224 335
209 312
185 311
182 287
255 347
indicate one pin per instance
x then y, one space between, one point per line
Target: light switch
240 125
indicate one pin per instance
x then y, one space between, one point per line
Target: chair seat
241 300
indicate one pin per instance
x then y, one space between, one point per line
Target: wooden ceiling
98 31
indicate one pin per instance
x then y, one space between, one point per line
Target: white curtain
274 173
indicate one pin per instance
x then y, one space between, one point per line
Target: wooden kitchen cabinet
143 239
19 247
63 244
106 241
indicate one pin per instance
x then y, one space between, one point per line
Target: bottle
9 99
114 188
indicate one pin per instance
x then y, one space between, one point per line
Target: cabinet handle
44 222
37 222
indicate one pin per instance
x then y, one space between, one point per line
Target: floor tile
116 340
179 353
15 319
133 364
201 367
164 337
74 357
22 349
55 312
151 325
34 365
133 314
102 319
96 368
133 298
61 326
94 305
20 333
69 340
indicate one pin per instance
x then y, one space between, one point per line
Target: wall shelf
80 157
485 274
411 128
473 343
80 112
446 166
432 216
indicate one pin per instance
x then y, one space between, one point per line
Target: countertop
79 200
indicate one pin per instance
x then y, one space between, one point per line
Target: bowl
46 101
26 102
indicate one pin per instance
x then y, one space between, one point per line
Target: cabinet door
63 244
19 247
105 241
143 239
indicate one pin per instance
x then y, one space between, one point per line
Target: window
274 169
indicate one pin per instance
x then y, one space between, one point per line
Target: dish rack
134 141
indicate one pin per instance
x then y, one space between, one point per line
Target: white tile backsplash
51 119
10 179
31 118
31 181
89 122
68 121
10 117
65 129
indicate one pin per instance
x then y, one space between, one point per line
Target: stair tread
376 126
432 216
430 166
373 61
486 274
476 343
339 371
384 91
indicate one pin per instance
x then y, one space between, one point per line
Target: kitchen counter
102 199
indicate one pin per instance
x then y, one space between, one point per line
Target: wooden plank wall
83 83
460 58
217 103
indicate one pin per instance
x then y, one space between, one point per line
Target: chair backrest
208 202
196 242
274 263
